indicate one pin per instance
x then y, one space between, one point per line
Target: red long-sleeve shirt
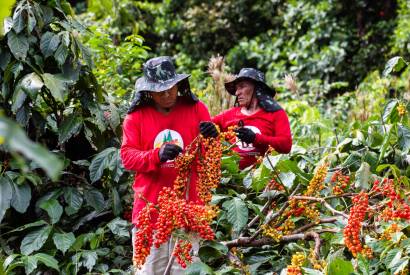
271 128
144 131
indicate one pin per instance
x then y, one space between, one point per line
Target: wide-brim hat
249 74
159 75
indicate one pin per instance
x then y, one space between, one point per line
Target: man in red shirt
262 122
159 124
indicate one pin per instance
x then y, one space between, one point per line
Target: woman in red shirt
262 122
159 124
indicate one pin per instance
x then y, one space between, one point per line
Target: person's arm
282 141
132 157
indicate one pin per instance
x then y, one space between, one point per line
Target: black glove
168 151
245 135
208 129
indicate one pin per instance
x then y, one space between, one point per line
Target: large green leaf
100 162
54 210
199 268
89 259
21 196
340 267
61 54
404 137
18 45
18 18
74 199
56 86
30 263
95 199
119 227
71 126
49 43
16 140
19 97
390 111
394 65
237 213
48 260
363 176
63 241
116 201
6 194
211 251
34 240
31 84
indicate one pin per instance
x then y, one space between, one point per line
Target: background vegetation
67 76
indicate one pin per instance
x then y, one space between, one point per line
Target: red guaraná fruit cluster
352 230
396 207
144 236
181 252
176 213
209 168
341 182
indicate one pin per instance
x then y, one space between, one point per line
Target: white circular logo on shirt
245 146
168 136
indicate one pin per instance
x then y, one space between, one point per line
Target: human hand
168 151
245 135
208 129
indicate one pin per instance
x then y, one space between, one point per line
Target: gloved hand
208 129
168 151
245 135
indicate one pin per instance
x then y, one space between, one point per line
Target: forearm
139 161
282 144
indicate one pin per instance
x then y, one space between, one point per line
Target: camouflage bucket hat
159 75
252 74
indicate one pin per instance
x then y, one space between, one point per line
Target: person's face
166 99
244 90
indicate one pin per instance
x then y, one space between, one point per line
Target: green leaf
394 65
63 241
212 250
18 18
340 267
404 138
71 126
390 109
363 176
400 265
287 179
100 162
29 225
199 268
31 20
21 197
363 264
391 255
35 240
56 86
237 213
392 258
119 227
30 263
48 260
18 45
116 202
310 271
95 199
19 97
6 194
89 259
49 43
31 84
74 200
54 209
61 54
